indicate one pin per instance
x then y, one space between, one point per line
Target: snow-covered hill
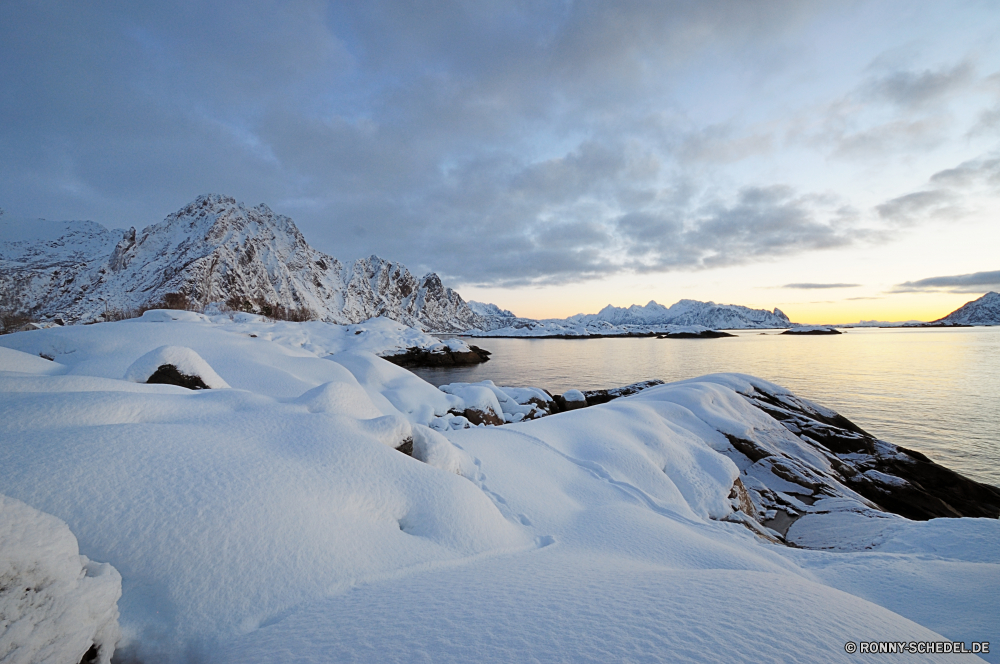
213 250
984 311
333 507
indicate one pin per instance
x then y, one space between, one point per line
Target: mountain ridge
982 311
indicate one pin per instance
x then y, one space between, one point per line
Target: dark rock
406 447
894 479
828 330
704 334
595 397
421 357
167 374
487 416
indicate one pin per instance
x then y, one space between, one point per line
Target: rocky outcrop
811 330
445 357
984 311
703 334
830 464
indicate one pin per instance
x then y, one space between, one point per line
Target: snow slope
983 311
273 521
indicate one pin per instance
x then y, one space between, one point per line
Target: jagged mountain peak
216 249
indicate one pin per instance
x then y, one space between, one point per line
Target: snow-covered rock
192 370
983 311
56 606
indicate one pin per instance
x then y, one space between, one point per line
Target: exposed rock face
217 250
595 397
831 459
984 311
168 374
483 416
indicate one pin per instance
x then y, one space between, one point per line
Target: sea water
935 390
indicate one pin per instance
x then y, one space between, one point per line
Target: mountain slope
213 250
984 311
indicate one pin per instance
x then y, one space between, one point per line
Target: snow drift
278 520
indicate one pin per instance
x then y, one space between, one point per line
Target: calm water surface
933 390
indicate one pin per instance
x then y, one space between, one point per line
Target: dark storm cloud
977 282
820 286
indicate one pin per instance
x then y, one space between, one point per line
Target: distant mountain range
686 315
216 250
984 311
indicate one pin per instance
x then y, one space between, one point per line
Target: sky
838 160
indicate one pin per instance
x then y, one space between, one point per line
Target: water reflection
934 390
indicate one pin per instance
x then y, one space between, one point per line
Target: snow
54 603
274 521
574 395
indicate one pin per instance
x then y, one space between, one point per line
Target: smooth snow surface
54 603
274 521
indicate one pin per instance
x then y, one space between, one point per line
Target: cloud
946 193
977 282
496 143
818 286
915 89
908 208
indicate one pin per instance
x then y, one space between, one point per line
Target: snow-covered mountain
984 311
685 316
687 312
213 250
